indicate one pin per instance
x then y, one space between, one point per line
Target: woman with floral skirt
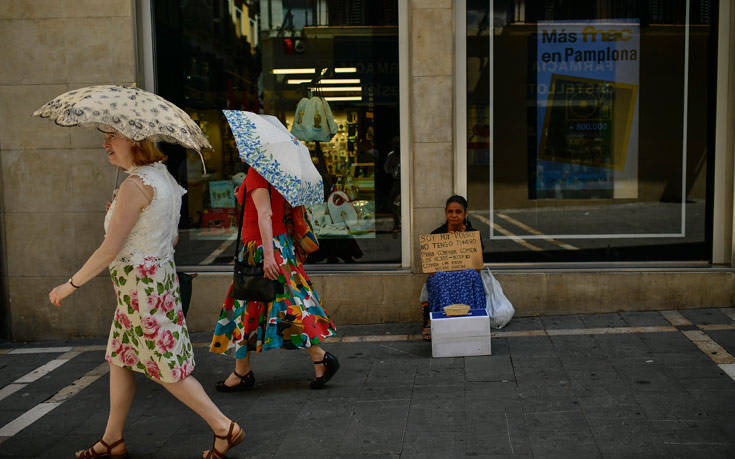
148 333
295 319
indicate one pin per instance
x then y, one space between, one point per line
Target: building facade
593 140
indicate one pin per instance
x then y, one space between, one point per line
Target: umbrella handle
114 188
204 166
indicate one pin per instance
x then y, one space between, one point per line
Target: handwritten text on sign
450 251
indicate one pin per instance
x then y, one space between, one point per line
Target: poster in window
587 109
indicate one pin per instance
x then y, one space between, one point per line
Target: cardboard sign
450 251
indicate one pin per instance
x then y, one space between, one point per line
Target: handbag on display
313 120
249 282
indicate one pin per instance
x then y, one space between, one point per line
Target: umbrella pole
117 176
204 166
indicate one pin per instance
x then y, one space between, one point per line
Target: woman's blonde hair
145 152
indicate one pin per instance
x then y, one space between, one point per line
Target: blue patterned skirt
455 287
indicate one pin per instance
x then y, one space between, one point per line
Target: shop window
590 129
335 59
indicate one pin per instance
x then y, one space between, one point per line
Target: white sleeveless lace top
154 234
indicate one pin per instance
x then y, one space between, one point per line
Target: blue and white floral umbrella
265 144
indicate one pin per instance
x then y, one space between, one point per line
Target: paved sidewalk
645 384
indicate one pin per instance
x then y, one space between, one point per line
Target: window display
328 70
590 129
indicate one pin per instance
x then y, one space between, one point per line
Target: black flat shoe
332 365
247 382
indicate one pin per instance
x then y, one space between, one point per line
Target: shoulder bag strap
239 226
242 213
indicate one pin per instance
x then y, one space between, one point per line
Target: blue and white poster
587 109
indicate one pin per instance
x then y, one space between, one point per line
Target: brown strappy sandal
231 442
90 452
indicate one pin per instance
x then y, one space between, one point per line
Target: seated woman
454 287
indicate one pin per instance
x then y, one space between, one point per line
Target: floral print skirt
149 334
295 319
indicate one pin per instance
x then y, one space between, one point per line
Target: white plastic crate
459 336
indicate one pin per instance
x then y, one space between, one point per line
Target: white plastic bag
499 308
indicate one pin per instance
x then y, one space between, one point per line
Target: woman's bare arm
262 202
132 198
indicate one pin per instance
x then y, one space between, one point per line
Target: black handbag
249 283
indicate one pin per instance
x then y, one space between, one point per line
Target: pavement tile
660 407
575 362
376 428
647 378
500 346
529 362
628 438
556 421
701 369
643 318
186 441
437 445
437 417
379 329
562 322
628 345
13 367
549 390
626 409
445 377
43 446
524 323
45 387
578 345
491 395
725 338
375 392
667 342
533 403
609 395
489 368
601 373
694 441
705 316
534 346
612 319
564 444
497 432
716 403
722 383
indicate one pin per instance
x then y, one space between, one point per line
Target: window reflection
328 69
593 156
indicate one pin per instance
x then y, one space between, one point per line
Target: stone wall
431 113
56 180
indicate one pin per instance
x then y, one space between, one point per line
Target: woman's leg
317 355
191 394
242 367
325 366
122 391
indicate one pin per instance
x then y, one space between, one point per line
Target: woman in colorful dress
295 319
455 287
149 333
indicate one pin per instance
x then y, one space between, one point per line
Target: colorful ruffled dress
149 333
296 318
